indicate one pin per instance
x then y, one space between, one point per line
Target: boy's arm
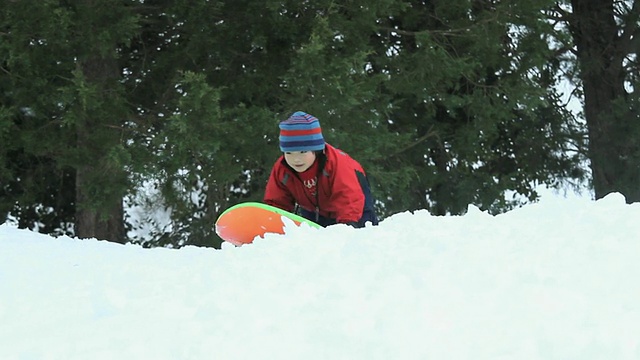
347 195
276 194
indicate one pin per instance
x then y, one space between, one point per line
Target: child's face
300 161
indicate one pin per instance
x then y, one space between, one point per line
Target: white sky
553 280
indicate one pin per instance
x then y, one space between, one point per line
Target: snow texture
554 280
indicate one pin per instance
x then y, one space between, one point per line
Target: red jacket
340 195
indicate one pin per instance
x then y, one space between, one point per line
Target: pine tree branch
430 133
629 34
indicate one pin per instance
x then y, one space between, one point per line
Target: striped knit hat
301 132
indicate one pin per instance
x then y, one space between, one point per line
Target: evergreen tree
604 68
445 103
64 108
448 103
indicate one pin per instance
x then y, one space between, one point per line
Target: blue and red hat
301 132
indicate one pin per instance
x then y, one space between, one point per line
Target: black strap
322 160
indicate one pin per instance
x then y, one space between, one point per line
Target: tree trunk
99 208
613 150
102 224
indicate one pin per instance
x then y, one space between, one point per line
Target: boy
325 184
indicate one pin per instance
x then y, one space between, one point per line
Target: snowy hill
554 280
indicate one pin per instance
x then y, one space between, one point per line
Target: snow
552 280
